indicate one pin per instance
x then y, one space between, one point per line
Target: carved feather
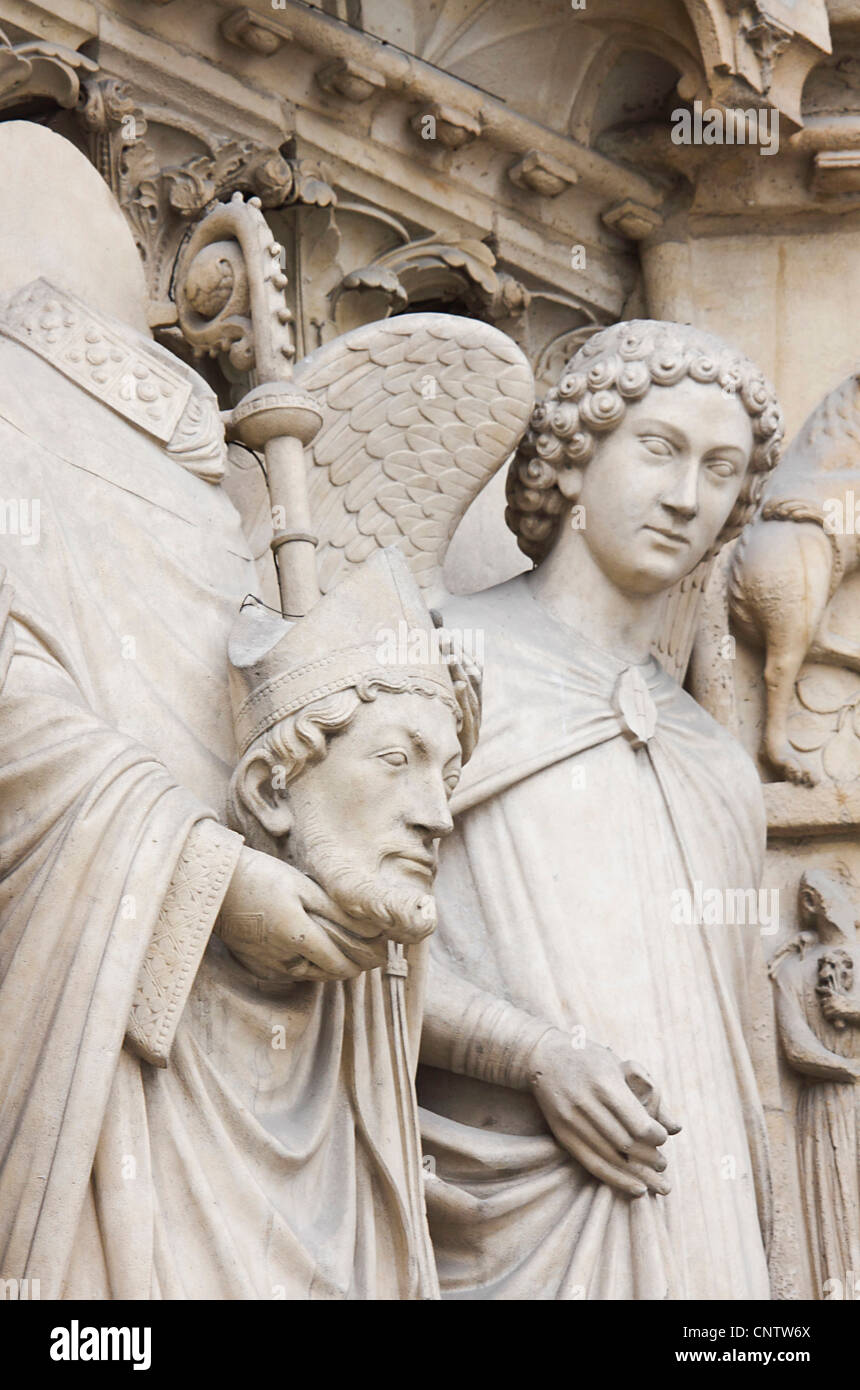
419 412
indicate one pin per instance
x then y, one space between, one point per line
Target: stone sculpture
818 1016
145 1142
179 957
790 563
599 794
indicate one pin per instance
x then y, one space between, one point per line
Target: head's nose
431 816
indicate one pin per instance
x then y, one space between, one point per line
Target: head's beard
400 913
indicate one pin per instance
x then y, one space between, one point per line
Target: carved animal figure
790 562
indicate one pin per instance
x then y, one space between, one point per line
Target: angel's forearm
474 1033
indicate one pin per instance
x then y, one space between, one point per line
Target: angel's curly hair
615 367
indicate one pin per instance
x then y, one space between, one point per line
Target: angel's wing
673 646
419 412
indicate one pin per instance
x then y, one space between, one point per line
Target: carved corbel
540 173
255 32
355 82
835 172
452 127
632 220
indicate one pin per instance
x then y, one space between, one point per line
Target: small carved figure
818 1015
793 558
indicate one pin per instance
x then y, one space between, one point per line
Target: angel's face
661 486
366 820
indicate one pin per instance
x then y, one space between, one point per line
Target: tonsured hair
613 369
301 740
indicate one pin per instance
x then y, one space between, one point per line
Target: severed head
348 759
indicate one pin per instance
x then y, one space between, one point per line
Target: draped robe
169 1127
827 1123
555 892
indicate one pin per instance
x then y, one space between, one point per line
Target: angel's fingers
672 1126
596 1112
648 1155
645 1162
647 1094
622 1120
618 1178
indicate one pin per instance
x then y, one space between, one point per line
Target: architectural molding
38 70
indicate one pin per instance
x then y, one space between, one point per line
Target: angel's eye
722 468
395 757
660 448
452 782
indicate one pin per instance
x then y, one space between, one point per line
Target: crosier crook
229 294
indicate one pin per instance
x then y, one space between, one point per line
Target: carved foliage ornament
430 267
39 69
160 200
767 37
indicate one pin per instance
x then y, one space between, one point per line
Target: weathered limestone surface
450 202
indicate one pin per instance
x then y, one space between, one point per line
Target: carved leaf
375 277
824 692
841 757
806 733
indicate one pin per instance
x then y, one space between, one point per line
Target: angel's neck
573 588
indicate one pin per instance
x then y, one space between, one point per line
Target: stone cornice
429 88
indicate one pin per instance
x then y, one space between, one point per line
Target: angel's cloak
262 1157
557 892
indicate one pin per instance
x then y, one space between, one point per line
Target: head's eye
394 757
660 448
452 782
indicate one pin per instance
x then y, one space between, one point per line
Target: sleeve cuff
179 939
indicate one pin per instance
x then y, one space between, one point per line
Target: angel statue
218 826
599 792
818 1016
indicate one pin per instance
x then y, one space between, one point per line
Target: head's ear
569 482
260 788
